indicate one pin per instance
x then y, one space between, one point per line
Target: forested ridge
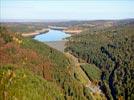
30 70
112 51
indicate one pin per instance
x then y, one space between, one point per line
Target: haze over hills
33 20
56 20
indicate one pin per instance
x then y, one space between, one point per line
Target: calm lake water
52 35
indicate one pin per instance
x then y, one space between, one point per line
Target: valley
66 50
95 64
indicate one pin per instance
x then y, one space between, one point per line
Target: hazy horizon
53 20
49 10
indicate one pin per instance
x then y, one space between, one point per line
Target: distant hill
26 27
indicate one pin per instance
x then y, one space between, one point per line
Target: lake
54 39
52 35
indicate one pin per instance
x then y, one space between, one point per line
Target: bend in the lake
53 38
52 35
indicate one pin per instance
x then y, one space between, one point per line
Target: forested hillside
112 51
30 70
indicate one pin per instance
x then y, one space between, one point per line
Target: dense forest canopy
112 51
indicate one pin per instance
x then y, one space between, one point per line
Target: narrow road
94 88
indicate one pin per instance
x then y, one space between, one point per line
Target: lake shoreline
52 35
33 34
54 38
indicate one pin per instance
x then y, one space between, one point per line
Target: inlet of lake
53 38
